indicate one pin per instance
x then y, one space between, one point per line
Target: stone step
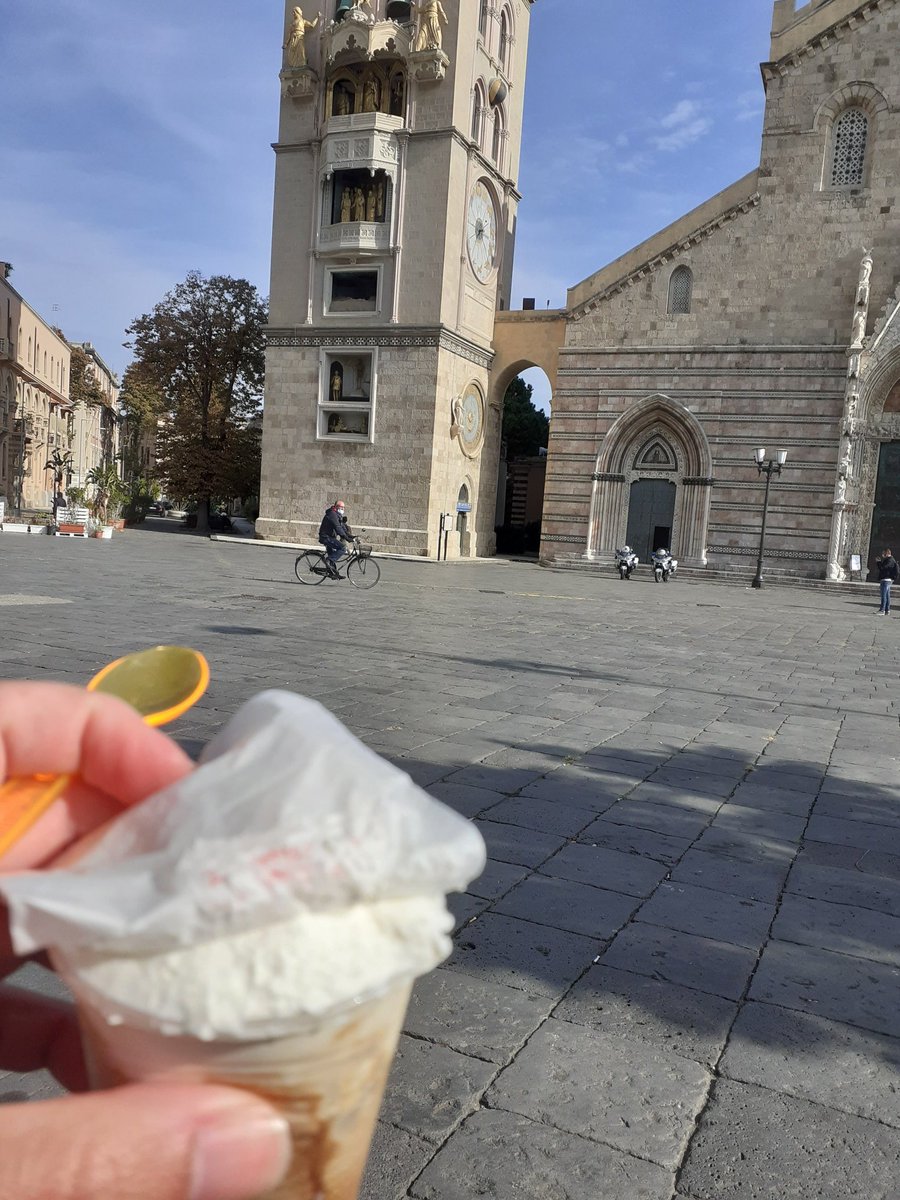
772 577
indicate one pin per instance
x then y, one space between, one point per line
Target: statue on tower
295 45
431 15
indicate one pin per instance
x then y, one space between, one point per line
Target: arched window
849 137
505 42
479 108
483 18
681 287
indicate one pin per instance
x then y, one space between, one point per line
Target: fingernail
240 1153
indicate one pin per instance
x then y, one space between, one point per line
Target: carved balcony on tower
359 38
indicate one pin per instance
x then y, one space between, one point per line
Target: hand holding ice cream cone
179 1142
260 923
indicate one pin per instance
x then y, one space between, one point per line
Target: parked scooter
664 565
626 561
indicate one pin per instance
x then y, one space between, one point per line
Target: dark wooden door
886 517
651 513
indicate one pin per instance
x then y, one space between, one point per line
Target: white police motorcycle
664 565
626 561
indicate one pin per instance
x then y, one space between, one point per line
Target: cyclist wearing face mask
333 532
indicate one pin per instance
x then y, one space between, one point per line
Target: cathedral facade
395 207
767 317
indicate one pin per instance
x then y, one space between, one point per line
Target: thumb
143 1142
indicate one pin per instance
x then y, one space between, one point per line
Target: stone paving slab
660 1014
545 816
521 954
657 793
848 1069
877 809
774 826
395 1159
431 1087
872 863
660 818
760 796
862 932
609 869
746 847
844 887
838 986
753 1144
562 904
513 844
474 1016
497 879
698 962
507 1157
623 1094
860 834
630 839
687 908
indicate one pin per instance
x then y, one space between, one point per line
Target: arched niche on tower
343 96
396 92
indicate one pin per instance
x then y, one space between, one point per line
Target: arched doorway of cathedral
652 484
877 516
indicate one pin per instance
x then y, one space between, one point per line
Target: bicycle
311 567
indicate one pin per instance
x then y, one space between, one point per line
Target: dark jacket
887 568
334 526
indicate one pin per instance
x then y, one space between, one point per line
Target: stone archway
656 439
525 339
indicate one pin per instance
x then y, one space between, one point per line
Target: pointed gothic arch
656 438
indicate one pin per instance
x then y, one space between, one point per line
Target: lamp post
768 468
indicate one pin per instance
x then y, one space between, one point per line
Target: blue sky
136 141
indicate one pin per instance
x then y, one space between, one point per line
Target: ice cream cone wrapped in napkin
260 923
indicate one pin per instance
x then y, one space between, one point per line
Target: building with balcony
35 409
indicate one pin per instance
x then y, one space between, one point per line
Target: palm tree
60 463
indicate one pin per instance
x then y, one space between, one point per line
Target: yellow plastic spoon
161 683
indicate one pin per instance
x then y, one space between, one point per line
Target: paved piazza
680 973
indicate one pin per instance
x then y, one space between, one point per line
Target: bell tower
395 210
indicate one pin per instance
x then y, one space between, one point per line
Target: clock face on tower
471 420
481 232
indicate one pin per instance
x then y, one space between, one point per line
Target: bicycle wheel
310 566
364 572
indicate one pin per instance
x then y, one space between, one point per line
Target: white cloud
683 125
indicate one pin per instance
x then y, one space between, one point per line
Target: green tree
525 428
202 350
83 386
142 404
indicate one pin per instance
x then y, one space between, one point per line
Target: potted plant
109 494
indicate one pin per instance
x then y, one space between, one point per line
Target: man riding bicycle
333 532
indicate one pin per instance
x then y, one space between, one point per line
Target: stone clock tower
395 207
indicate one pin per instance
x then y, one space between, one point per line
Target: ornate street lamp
770 468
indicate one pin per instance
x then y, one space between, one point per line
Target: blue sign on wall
463 508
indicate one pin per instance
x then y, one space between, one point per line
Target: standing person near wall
887 574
